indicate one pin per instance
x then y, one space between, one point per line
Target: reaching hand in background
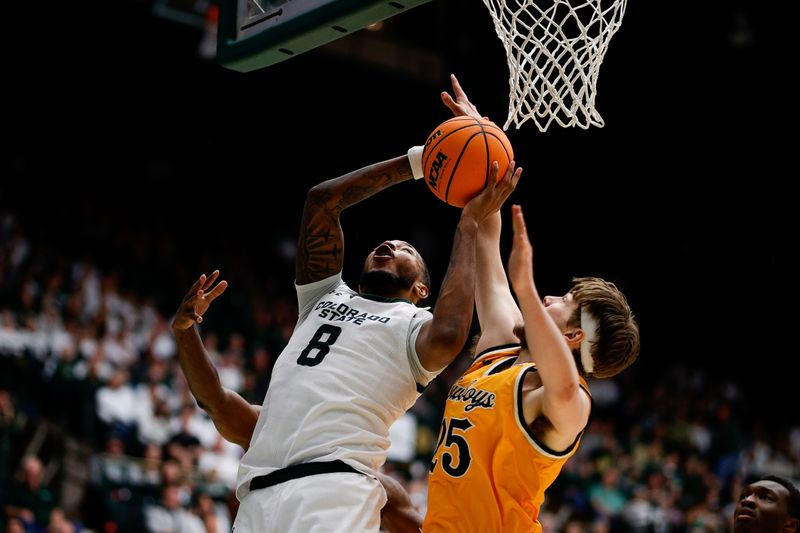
197 301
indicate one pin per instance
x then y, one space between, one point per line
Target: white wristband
415 160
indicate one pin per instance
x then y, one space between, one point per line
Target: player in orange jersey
518 412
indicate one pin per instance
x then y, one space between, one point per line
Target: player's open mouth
383 252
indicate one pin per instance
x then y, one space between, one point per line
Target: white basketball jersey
348 372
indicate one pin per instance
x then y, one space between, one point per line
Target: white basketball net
554 50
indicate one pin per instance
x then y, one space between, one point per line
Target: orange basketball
458 156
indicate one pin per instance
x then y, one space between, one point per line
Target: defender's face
762 507
560 308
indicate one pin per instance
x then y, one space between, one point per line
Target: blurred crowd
98 430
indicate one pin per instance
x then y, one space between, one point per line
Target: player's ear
421 290
574 338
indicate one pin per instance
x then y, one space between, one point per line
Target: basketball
458 155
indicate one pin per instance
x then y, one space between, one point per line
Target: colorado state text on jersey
344 313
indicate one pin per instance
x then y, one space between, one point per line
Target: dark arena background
132 162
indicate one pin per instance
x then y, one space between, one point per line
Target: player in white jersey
356 361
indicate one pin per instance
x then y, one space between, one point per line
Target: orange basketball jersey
489 473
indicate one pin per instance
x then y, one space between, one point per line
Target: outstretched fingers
510 179
448 101
216 291
459 103
518 221
493 171
197 301
495 193
202 284
457 90
210 280
200 296
514 173
197 285
520 262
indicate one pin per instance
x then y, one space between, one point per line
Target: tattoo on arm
321 243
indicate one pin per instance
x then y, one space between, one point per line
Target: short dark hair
793 504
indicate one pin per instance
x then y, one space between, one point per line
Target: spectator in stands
116 404
30 500
169 516
8 430
215 516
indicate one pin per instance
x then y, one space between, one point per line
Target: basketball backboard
257 33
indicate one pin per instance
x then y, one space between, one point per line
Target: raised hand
197 301
520 262
460 105
491 199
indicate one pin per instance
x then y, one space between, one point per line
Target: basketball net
554 50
